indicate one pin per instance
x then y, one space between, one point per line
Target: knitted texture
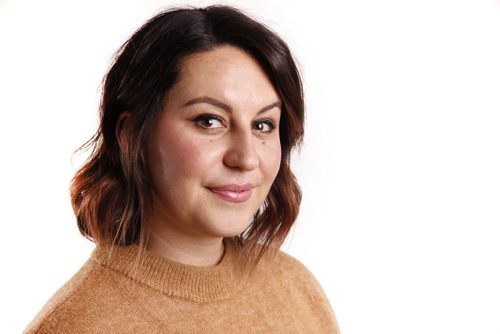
117 293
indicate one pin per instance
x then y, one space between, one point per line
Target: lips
236 193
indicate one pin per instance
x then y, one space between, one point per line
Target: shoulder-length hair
112 193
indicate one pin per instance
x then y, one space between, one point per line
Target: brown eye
264 126
209 121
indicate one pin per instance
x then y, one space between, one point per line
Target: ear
122 124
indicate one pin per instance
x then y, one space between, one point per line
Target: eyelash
267 122
206 117
202 119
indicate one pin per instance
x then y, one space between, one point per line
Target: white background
400 168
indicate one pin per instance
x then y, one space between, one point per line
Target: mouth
235 193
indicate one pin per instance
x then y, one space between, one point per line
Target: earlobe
121 129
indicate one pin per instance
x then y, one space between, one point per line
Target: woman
188 192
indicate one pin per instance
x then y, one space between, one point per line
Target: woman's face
215 149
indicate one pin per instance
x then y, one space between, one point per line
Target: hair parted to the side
112 193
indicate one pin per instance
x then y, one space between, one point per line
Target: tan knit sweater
118 294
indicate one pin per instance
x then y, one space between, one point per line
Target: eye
209 121
264 126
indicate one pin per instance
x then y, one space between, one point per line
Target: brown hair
112 193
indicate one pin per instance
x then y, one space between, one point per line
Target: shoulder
293 275
287 265
295 283
47 317
70 303
288 262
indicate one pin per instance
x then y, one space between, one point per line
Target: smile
233 192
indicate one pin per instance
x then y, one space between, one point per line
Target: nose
241 152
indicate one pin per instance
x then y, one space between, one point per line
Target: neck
186 250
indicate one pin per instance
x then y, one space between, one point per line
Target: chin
230 228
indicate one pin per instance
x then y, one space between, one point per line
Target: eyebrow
221 105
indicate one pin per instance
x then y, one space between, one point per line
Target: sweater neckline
197 284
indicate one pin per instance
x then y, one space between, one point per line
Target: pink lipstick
235 193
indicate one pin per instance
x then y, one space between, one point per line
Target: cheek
184 157
272 159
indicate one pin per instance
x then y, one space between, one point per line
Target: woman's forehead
226 73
